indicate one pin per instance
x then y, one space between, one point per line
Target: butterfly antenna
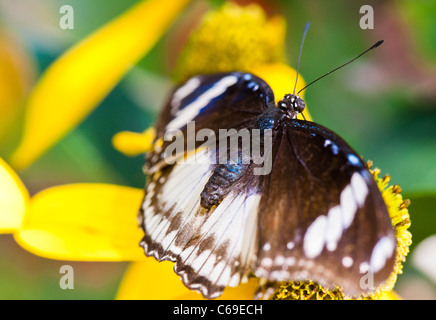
373 47
306 27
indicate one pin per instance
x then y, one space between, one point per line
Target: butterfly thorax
270 119
227 176
292 104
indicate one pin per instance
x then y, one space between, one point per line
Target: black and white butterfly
318 215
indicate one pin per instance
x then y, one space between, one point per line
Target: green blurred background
384 105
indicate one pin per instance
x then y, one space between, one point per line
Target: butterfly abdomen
220 183
225 176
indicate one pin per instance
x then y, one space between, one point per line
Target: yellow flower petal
13 199
281 78
85 222
152 280
133 143
74 84
149 279
389 295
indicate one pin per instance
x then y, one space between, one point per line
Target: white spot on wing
266 262
280 260
290 245
183 116
348 205
354 160
347 262
334 147
183 92
334 227
290 261
247 77
327 230
383 250
364 267
360 188
314 238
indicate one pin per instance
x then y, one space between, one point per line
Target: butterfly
317 214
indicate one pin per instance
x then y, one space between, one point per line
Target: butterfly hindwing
322 217
211 250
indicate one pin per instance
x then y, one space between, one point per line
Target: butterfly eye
282 105
299 105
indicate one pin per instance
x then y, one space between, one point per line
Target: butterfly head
291 104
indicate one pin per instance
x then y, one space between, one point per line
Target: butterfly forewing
211 249
214 102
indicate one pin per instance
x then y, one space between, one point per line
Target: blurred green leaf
423 216
421 14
